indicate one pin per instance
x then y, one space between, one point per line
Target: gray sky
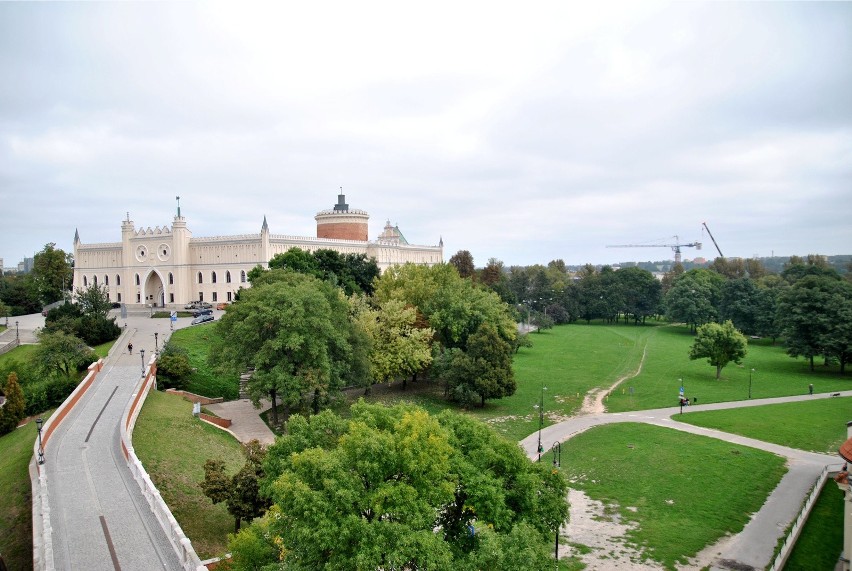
522 132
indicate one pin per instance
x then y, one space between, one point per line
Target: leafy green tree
19 293
240 492
52 273
694 297
294 332
5 310
720 344
93 300
173 367
59 353
395 488
463 262
740 302
641 293
482 372
12 412
398 348
354 273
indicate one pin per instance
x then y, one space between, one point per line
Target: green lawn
102 350
821 540
16 532
818 425
663 474
776 374
204 381
21 353
173 446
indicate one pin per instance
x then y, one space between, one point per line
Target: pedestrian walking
811 389
130 348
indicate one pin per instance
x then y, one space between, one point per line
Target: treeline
50 280
805 305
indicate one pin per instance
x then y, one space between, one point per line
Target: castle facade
168 267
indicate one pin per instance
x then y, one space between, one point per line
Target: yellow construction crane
675 247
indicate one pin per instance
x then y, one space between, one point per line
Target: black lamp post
39 422
749 382
142 352
540 408
17 337
156 349
681 395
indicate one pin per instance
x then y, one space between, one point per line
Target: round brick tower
342 223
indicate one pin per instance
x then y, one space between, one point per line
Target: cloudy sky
525 132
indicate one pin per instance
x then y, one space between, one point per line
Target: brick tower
342 222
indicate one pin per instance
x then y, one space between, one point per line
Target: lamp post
750 373
17 337
39 422
556 449
540 407
156 349
142 352
680 400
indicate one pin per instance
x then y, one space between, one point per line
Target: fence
796 529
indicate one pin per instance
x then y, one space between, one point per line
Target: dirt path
593 401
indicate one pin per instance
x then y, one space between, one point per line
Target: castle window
243 276
171 278
229 296
106 280
227 277
117 280
201 296
200 278
85 281
215 296
171 298
137 282
213 278
119 298
138 298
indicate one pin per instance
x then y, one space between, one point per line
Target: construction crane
721 255
675 247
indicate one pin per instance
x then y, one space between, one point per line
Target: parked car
199 312
222 306
202 319
205 305
192 305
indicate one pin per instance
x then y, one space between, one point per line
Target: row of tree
49 280
305 340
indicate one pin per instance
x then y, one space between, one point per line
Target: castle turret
342 222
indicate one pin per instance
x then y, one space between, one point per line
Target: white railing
796 529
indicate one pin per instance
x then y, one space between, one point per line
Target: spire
76 236
265 227
178 205
441 241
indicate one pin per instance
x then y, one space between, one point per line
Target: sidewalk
246 424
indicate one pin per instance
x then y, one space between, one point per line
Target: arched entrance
154 292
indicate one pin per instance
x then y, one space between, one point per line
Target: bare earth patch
593 403
602 530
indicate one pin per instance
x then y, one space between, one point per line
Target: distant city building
169 267
26 266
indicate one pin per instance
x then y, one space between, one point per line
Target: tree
59 353
720 344
641 293
93 300
294 332
173 367
52 273
482 372
463 262
240 492
354 273
12 412
741 303
398 348
396 488
694 297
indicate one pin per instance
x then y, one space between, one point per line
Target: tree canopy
720 344
396 488
354 273
52 273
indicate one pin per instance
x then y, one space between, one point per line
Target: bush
93 328
173 367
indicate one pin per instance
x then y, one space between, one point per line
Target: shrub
173 367
13 411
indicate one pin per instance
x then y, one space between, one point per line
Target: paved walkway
246 423
755 545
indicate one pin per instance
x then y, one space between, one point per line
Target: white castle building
169 267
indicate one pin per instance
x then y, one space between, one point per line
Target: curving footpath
755 545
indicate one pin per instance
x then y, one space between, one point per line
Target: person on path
130 348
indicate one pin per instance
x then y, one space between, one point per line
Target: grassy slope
22 353
173 446
647 467
16 533
821 541
205 381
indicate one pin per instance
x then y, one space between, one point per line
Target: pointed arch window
227 277
85 281
117 280
106 280
137 279
171 279
94 280
243 276
213 277
200 278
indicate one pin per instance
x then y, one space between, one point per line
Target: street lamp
680 400
540 407
749 382
39 422
17 337
142 352
156 350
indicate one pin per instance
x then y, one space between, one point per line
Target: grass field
658 478
21 353
173 446
16 533
821 540
204 381
818 426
